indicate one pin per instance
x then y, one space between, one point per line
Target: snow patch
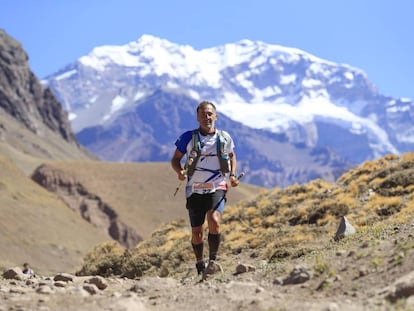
349 75
72 116
138 95
194 94
93 99
66 74
288 79
117 103
398 109
311 83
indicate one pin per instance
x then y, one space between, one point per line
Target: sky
376 36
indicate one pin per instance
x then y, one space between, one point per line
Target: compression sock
198 251
213 244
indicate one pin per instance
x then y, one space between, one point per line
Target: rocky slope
285 237
33 125
90 206
346 279
24 97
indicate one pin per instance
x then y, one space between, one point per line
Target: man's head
205 103
207 116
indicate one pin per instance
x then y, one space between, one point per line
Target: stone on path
344 229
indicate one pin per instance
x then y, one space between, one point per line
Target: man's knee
213 218
197 235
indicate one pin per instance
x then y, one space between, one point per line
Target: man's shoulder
224 133
185 137
185 134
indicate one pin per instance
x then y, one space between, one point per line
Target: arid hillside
285 237
292 222
278 252
141 193
38 227
75 205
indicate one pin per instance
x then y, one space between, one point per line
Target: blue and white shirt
207 176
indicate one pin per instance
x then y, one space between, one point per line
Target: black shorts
199 204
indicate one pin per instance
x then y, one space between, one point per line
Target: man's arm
233 169
176 164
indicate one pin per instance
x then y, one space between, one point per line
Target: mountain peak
151 40
279 89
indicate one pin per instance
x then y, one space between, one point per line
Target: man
206 187
27 269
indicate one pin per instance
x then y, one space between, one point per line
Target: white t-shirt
207 176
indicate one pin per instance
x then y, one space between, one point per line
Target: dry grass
300 220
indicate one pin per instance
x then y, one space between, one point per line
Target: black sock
198 250
213 244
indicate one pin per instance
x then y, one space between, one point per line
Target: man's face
207 117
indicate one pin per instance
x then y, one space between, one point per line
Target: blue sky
373 35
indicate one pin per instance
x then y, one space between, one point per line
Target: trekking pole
190 161
178 187
241 175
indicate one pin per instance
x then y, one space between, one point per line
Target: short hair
205 103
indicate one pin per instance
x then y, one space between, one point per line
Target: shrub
105 259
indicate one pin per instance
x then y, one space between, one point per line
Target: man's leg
213 218
197 242
198 246
197 215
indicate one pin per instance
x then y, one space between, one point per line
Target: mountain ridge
275 89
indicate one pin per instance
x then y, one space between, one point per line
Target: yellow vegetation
297 220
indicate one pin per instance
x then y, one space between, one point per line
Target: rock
65 277
344 229
164 272
401 288
44 290
213 267
298 275
60 284
99 281
91 288
278 281
243 268
15 274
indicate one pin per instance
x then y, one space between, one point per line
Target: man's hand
234 181
182 174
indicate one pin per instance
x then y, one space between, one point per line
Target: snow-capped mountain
312 102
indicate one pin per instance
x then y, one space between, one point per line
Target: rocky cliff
89 206
23 96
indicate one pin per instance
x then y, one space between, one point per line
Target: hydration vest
195 153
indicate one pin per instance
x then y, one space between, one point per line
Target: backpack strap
194 154
223 156
195 141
